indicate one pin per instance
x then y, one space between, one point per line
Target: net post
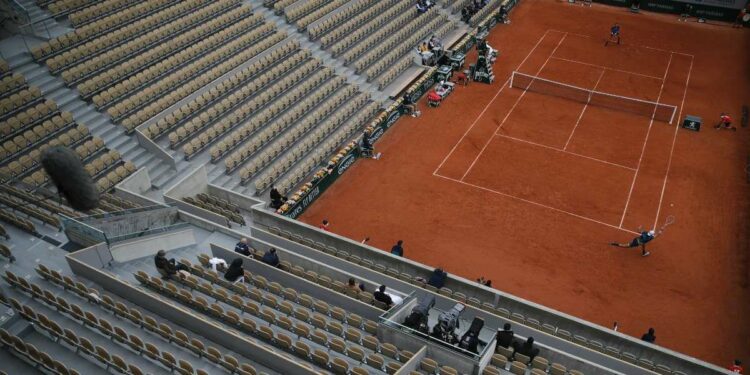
512 75
674 110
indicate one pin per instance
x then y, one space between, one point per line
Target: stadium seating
217 205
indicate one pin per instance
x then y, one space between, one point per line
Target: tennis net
657 111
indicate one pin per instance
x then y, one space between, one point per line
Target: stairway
85 113
42 23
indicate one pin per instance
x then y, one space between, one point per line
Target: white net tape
657 111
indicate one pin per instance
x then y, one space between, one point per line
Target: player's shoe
646 254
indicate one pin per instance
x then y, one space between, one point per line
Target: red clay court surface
528 189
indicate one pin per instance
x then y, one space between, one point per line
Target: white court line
518 100
625 44
537 204
490 103
591 93
606 68
565 152
643 149
674 141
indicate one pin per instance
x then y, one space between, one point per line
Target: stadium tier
207 128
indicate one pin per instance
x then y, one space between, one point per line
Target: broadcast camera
417 319
448 323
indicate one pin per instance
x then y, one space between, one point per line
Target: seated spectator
382 296
352 286
367 148
235 273
484 281
736 367
168 267
217 264
438 277
422 6
502 14
649 336
527 348
242 247
271 258
277 200
505 336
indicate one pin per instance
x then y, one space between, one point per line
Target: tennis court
528 185
572 112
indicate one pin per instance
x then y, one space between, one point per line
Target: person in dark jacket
271 258
242 247
277 200
398 249
527 348
167 267
505 336
649 336
437 279
381 296
235 272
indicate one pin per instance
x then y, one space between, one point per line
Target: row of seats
28 352
153 46
205 116
30 117
487 306
152 327
223 203
456 6
343 27
12 83
21 206
28 163
245 81
318 102
300 315
314 312
104 162
312 161
519 364
394 71
310 141
228 214
349 34
278 6
4 68
116 202
296 109
5 250
119 27
4 233
31 138
301 9
377 35
17 221
98 10
122 41
38 201
173 88
396 40
115 177
356 8
315 15
80 343
11 105
144 78
62 7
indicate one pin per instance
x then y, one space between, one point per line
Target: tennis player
614 34
644 238
725 121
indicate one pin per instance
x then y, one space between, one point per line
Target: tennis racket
669 221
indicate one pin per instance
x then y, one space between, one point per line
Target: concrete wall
227 337
153 148
413 363
192 184
139 182
135 222
301 285
137 248
677 361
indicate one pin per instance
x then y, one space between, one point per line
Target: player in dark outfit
644 238
614 34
